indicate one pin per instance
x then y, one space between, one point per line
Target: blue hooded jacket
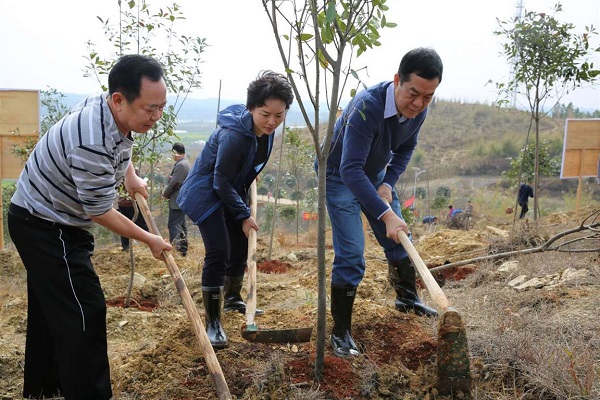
223 172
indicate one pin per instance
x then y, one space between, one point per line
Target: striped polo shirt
76 167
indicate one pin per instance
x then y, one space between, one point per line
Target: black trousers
226 248
178 231
524 209
66 345
129 212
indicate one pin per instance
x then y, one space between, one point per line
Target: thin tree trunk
276 192
322 288
536 192
297 209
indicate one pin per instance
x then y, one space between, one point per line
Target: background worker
430 220
469 209
177 224
525 192
450 212
215 193
373 141
69 183
598 174
125 206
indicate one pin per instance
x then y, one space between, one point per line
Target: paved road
266 199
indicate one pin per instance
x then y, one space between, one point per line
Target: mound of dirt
273 267
444 244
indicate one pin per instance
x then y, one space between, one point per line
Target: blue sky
43 43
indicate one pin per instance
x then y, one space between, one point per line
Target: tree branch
593 227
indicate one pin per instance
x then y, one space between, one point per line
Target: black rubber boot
403 279
233 299
212 306
342 301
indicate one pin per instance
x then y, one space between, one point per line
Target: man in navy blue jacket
373 142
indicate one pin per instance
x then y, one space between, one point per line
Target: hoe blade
453 362
298 335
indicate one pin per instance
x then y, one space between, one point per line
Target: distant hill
199 115
457 139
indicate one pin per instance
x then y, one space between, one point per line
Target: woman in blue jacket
215 192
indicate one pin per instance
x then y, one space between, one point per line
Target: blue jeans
348 236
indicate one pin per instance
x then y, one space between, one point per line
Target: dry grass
541 343
532 344
537 344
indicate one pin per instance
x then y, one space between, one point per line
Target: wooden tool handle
251 284
190 307
430 283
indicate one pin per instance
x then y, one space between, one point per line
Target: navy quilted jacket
223 172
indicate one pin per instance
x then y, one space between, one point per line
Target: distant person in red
450 211
525 192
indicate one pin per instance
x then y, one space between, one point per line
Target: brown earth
154 353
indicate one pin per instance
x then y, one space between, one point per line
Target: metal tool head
295 335
453 363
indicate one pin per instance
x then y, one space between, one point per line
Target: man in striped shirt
68 184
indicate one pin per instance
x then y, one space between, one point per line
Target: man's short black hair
127 73
423 62
179 148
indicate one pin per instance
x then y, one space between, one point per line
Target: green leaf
304 37
322 60
331 14
327 35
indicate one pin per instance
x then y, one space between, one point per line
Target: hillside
463 146
456 139
451 128
469 145
460 139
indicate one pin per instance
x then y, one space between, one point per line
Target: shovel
209 354
453 364
250 330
